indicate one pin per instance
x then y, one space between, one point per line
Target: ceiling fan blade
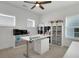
33 6
41 6
45 2
31 2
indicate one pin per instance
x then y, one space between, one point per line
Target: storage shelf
57 35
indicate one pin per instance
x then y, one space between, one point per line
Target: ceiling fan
38 3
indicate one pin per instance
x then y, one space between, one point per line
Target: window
30 23
76 32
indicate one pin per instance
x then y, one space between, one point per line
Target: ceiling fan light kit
38 3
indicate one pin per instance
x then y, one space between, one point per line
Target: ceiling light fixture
37 5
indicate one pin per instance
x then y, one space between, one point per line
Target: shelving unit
57 32
44 30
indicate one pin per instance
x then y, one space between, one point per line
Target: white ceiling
48 7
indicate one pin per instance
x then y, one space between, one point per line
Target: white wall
6 38
6 34
61 14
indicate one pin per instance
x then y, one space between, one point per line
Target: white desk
41 45
73 51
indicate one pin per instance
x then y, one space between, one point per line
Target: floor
18 52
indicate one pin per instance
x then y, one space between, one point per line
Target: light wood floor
54 52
